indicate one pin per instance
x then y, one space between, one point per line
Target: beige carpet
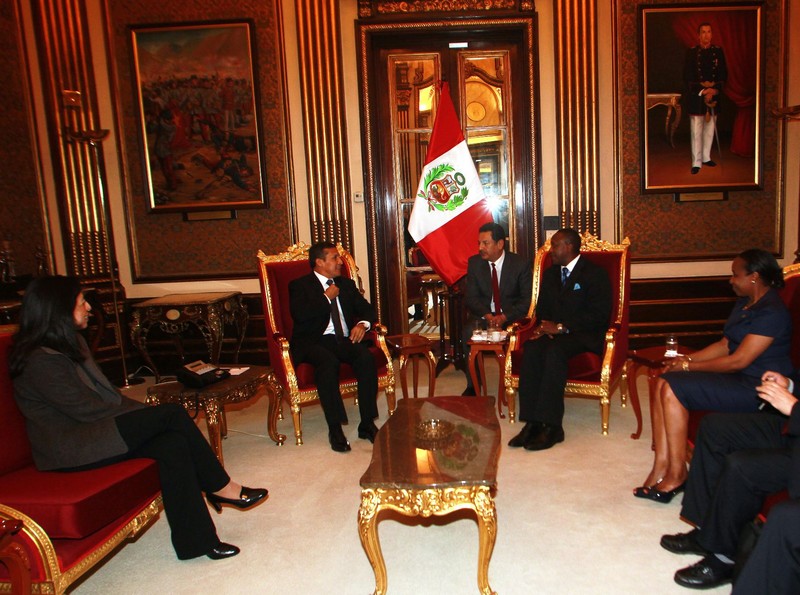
567 522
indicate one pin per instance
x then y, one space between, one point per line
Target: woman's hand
676 364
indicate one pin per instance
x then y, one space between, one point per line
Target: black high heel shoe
247 498
665 497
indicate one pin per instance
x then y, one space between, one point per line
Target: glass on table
478 330
671 347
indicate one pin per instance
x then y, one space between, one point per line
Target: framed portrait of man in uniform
701 98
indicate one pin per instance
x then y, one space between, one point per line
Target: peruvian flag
450 205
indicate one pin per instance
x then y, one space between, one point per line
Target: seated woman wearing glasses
722 376
76 419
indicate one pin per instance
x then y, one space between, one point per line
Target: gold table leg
425 503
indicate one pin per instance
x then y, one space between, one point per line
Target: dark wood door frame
385 249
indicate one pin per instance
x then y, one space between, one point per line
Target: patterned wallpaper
659 227
20 209
164 246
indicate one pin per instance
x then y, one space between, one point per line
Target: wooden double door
492 74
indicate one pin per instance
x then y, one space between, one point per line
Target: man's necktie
337 320
496 291
564 275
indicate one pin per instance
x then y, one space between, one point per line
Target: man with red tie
331 318
498 286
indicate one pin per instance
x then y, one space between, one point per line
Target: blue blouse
767 317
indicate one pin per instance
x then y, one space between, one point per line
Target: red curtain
735 31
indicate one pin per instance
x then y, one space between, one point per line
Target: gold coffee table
432 457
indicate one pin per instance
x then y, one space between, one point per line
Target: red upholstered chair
296 383
590 375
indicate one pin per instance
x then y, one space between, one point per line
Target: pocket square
576 287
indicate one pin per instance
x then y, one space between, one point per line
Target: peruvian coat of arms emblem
444 188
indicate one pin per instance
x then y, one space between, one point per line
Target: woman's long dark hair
46 320
763 263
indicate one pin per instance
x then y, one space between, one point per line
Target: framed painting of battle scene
701 98
198 116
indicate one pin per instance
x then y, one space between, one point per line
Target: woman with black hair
724 375
76 419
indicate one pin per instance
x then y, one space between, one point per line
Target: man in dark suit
331 318
739 459
572 310
513 274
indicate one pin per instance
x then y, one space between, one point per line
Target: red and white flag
450 205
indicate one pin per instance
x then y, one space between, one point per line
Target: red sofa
72 521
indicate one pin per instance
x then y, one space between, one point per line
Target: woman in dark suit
724 375
76 419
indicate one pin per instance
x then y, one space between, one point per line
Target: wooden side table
413 347
211 400
653 359
176 313
477 349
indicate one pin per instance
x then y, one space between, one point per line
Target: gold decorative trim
319 43
372 8
54 580
577 113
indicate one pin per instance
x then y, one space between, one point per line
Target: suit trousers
543 377
187 467
738 460
327 357
774 565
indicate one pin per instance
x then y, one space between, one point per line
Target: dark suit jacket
515 286
583 305
311 310
69 410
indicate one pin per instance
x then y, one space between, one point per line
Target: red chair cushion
15 452
584 366
76 504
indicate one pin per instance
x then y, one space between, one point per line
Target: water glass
672 346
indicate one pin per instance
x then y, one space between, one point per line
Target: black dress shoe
338 442
547 437
468 392
708 573
520 439
695 170
222 550
710 163
665 497
247 498
367 431
683 543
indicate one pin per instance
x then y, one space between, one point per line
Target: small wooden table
418 475
654 360
213 398
477 349
176 313
413 347
672 101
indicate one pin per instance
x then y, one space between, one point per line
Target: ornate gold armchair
591 376
296 383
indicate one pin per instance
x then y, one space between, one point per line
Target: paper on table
237 371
